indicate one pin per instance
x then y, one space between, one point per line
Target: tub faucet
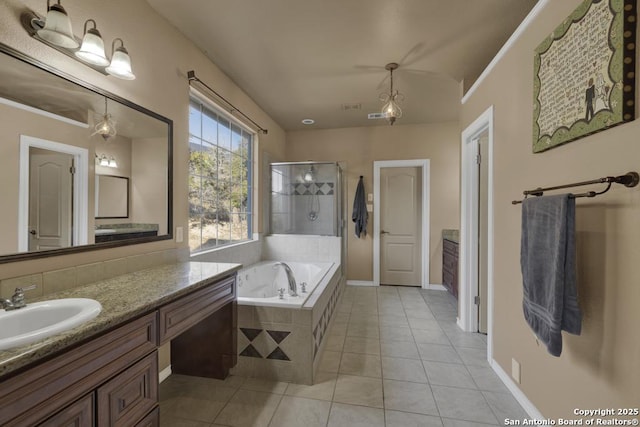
293 289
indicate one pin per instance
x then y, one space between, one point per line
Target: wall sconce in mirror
55 31
110 162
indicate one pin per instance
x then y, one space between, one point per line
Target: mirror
70 185
112 197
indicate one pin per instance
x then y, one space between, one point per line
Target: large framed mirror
60 137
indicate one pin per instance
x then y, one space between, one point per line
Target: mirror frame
24 256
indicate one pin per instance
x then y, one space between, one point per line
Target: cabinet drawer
151 420
128 398
55 384
180 315
79 414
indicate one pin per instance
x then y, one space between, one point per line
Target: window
220 159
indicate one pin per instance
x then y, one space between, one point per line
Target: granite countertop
123 298
452 235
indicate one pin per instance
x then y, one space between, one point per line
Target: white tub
258 284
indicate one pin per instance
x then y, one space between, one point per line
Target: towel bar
630 179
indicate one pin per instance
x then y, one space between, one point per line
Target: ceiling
304 59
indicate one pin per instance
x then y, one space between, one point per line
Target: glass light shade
104 161
112 162
308 176
92 49
121 65
106 128
57 28
391 111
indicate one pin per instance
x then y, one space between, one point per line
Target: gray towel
547 259
360 215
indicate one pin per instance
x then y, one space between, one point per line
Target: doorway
401 223
53 199
476 228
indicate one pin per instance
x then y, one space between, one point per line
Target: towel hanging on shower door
360 216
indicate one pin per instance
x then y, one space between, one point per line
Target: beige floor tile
405 349
355 416
403 370
300 412
393 320
249 408
431 336
463 404
356 390
363 330
395 333
438 353
169 421
409 397
330 361
325 384
405 419
366 365
259 384
449 374
193 409
418 323
334 342
362 345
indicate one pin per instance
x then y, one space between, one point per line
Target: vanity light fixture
391 110
55 31
57 28
120 62
92 49
106 127
110 162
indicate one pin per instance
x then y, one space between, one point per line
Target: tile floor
394 357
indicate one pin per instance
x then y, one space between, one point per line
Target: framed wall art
584 73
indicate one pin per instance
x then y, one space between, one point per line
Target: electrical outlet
515 370
179 235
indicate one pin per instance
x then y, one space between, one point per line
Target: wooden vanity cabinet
450 266
112 380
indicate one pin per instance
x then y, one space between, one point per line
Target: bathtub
259 283
283 339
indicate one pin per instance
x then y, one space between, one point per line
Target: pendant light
391 110
106 127
120 62
57 29
92 49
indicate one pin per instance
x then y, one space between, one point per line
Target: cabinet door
78 414
130 396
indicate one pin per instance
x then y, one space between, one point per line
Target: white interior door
50 201
483 231
401 226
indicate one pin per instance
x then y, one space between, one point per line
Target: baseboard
435 287
522 399
360 283
164 374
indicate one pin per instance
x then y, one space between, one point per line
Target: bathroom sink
40 320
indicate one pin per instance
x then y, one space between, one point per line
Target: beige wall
600 368
161 57
359 147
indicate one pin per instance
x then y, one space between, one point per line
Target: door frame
80 189
468 311
424 165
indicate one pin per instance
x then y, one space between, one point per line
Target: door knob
32 232
384 232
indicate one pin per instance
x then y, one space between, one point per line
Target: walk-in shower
306 198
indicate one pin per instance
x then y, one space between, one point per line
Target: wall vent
351 107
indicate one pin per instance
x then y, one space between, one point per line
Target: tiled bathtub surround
50 282
302 248
278 343
394 358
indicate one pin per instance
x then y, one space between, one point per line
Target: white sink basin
40 320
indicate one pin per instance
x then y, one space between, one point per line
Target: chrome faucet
17 300
293 289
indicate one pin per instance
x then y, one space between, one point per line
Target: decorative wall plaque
584 73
